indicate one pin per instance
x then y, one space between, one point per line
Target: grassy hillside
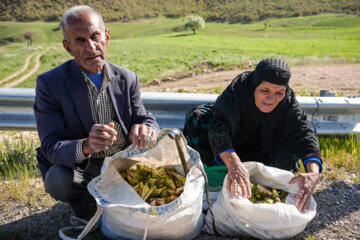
214 10
153 50
42 31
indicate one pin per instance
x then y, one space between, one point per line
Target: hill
151 48
212 10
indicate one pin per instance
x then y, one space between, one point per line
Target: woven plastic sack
124 215
237 216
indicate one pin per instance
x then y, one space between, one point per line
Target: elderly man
86 109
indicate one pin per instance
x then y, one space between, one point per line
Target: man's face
268 95
87 42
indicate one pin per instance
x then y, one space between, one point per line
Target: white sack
237 216
126 215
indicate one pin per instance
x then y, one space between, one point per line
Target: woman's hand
237 175
307 182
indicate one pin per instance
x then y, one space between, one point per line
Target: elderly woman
257 118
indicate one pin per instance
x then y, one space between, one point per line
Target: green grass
13 58
306 92
49 60
341 152
326 20
18 155
143 28
42 31
152 49
30 66
19 175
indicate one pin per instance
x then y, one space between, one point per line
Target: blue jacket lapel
114 90
78 92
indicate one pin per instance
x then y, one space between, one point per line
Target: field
160 49
154 50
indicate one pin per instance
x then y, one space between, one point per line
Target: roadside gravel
338 215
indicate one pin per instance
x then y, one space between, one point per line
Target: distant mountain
211 10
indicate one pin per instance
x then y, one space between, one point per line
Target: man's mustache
97 53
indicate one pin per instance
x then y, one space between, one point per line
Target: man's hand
307 182
237 175
138 134
100 138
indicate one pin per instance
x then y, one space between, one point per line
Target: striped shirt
103 112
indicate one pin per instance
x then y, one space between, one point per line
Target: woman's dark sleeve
219 133
301 140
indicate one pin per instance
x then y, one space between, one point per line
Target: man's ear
67 47
107 35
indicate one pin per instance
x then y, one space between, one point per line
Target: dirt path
27 61
344 80
31 72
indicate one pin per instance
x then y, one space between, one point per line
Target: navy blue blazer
63 114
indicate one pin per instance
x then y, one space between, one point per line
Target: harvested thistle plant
156 186
261 194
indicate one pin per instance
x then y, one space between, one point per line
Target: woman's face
268 95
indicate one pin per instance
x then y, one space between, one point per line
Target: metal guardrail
327 115
16 111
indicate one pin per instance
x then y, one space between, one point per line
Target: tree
194 23
28 36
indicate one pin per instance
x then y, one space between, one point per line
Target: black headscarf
272 70
285 127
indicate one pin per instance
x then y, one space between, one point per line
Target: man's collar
110 71
106 78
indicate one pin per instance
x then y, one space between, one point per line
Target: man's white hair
75 13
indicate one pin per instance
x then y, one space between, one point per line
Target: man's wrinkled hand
138 135
100 138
